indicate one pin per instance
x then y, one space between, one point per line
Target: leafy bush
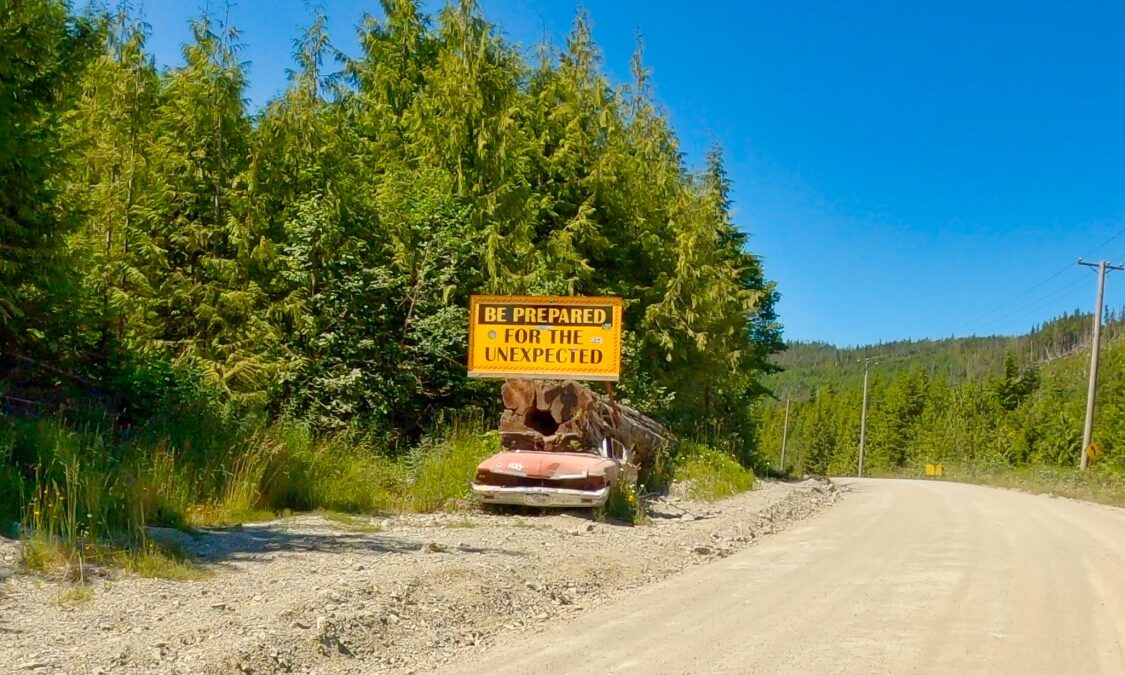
625 504
710 474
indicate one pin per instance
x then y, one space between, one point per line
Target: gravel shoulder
904 576
403 593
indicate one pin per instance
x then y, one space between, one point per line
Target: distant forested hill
981 400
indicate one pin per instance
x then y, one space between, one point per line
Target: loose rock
325 599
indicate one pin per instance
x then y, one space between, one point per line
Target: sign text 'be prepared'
545 336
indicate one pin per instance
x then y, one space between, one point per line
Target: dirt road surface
900 577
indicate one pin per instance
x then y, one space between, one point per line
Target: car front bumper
540 496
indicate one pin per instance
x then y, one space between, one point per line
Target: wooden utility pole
784 434
1095 346
863 417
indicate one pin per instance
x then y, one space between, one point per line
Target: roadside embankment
342 594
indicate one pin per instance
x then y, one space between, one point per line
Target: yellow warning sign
935 470
1093 450
545 336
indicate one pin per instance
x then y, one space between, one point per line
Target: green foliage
208 315
85 505
711 474
43 48
1021 413
1099 484
441 467
340 473
1016 384
624 504
316 260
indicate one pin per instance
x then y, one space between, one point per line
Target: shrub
710 473
624 504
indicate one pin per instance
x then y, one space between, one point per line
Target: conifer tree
575 119
42 48
468 121
208 301
111 183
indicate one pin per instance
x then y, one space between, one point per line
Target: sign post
549 337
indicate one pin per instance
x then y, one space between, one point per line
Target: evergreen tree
111 183
317 259
42 48
208 302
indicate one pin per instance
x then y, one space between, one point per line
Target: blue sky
906 170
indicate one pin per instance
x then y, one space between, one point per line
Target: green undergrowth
710 473
707 471
77 495
52 555
440 468
1101 484
625 504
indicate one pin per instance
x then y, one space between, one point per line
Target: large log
553 416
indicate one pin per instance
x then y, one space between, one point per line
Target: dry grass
78 594
349 522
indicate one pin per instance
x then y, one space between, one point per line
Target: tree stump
552 416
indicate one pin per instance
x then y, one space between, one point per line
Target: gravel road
901 577
401 593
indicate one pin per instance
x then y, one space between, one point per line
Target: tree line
1000 402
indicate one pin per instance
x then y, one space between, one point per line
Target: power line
1106 242
1034 304
976 319
973 321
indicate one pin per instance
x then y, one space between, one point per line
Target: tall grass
340 473
80 494
441 467
80 504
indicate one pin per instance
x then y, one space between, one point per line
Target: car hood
557 465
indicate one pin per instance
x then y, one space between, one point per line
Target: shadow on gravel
585 515
262 542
